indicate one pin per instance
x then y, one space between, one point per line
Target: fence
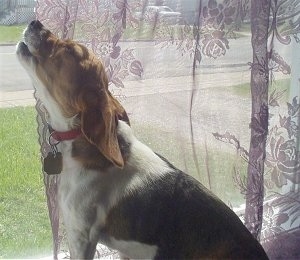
16 11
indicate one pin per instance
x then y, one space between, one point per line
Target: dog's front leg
80 246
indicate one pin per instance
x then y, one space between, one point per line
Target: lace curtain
213 85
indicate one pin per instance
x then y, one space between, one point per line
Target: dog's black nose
36 24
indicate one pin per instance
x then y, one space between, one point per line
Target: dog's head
75 81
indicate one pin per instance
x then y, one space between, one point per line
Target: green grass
24 224
243 90
216 168
11 34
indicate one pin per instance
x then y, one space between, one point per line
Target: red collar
65 136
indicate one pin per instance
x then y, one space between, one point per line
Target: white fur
142 159
27 62
141 156
133 249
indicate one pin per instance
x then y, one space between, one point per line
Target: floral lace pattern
112 29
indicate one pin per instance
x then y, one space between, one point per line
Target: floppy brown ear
99 120
122 115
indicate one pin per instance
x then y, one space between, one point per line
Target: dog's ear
99 119
122 115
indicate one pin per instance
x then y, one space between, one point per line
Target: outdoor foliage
24 225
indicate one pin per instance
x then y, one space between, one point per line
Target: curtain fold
260 12
203 80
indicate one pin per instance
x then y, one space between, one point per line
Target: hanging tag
53 163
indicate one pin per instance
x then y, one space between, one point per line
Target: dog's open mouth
32 38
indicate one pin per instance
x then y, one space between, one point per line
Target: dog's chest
78 196
86 198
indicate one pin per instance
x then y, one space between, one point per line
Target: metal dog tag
53 163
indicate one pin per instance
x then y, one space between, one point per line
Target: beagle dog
114 189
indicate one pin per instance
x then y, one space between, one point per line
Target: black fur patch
180 216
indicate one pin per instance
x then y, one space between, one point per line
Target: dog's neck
66 135
60 123
91 158
55 118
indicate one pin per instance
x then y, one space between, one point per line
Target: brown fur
80 86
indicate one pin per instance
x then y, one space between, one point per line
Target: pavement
17 98
15 86
138 88
162 73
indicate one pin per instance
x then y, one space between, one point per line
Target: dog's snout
36 24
